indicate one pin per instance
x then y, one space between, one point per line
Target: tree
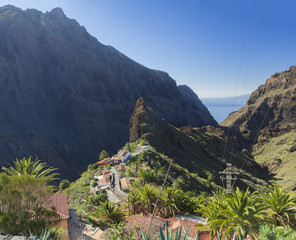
280 206
21 200
134 200
212 210
148 196
108 212
168 202
34 168
103 154
137 164
242 215
64 184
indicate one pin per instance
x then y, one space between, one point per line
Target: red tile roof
125 183
205 235
59 202
108 174
105 161
105 172
105 180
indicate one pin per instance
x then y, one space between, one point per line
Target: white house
125 155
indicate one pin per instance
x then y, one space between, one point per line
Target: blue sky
218 48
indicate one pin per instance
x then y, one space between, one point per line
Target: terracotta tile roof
105 180
205 235
108 174
105 172
125 183
59 202
105 161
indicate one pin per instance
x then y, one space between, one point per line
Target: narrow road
116 182
138 150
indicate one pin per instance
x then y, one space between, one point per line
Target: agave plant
46 234
169 235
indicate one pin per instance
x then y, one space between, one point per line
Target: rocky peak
10 8
57 12
140 105
142 118
277 81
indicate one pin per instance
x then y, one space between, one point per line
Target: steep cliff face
272 107
268 121
64 96
199 150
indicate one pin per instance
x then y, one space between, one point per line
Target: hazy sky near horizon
218 48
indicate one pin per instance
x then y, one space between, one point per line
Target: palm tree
168 202
134 200
280 206
34 168
148 196
212 211
137 164
242 215
108 212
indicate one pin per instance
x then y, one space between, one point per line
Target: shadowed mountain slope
64 96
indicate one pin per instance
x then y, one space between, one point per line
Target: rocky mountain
268 121
198 150
64 96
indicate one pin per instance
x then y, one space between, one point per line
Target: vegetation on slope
278 155
81 193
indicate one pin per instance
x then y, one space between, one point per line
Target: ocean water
220 108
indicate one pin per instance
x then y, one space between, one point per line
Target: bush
94 184
95 200
283 233
64 184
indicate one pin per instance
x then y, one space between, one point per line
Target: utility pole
230 175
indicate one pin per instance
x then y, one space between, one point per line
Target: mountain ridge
64 96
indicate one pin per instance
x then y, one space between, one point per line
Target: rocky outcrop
64 96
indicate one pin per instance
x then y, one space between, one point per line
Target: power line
238 76
248 65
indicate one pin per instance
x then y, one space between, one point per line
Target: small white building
145 147
125 155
